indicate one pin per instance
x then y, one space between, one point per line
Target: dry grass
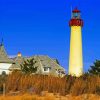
35 84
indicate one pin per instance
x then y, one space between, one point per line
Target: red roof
76 10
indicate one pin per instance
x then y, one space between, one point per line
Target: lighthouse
76 57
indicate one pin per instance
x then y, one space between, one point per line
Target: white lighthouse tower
76 58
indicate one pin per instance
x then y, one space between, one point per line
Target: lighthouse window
76 15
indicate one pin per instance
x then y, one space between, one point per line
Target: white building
5 62
45 65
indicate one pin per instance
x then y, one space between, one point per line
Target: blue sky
41 27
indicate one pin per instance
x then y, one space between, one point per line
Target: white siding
5 67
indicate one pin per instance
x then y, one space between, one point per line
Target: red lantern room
76 19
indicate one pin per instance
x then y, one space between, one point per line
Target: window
47 69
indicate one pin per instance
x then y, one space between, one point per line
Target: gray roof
3 55
41 61
46 61
18 61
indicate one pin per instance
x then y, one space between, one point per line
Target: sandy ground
51 96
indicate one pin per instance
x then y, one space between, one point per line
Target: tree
95 68
28 66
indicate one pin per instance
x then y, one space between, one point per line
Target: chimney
19 54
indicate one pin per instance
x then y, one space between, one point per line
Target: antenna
71 12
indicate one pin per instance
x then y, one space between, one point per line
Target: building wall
5 67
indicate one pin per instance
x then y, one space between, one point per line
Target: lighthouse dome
76 18
76 10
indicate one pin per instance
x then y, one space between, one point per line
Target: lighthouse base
76 71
